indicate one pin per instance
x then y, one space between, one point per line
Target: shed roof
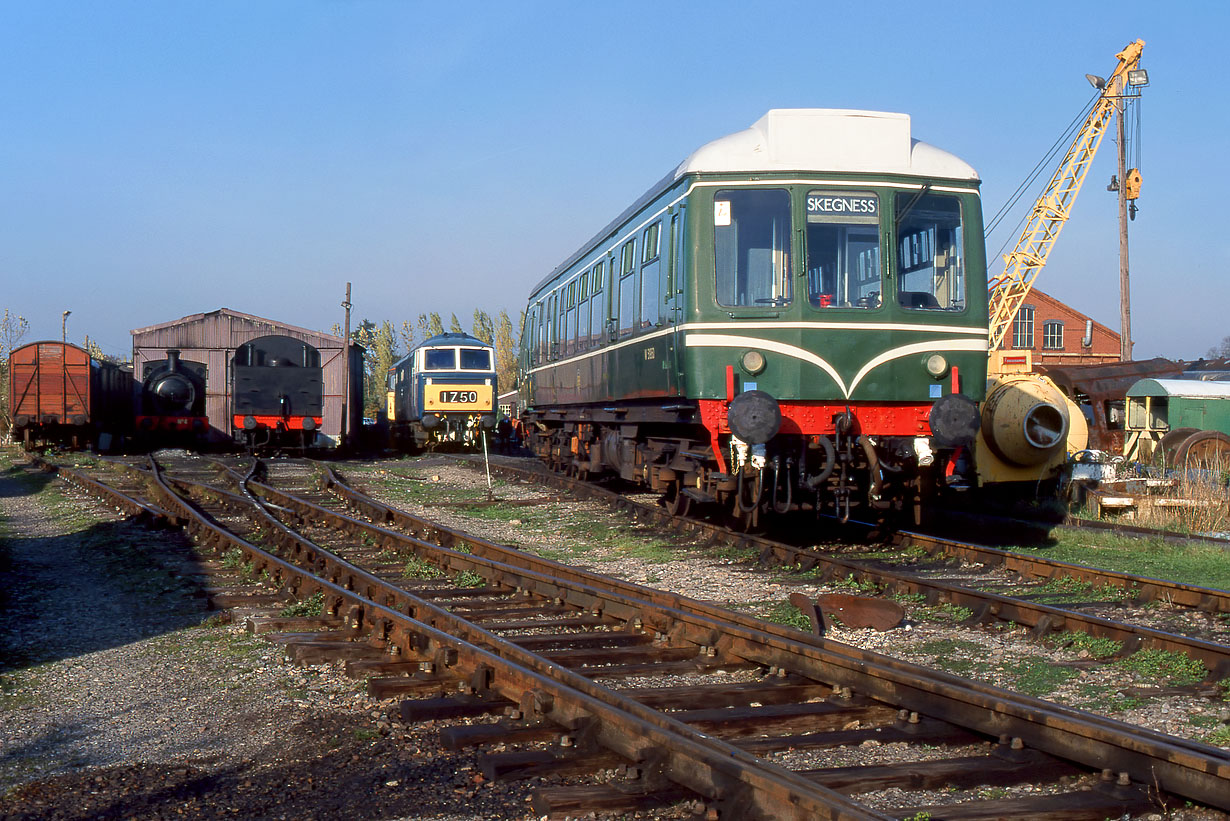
327 340
1186 388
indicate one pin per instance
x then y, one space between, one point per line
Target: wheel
745 521
1204 450
677 502
1170 442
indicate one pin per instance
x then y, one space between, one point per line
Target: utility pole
346 373
64 366
1125 291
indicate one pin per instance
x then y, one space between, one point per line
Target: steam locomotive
795 317
277 393
171 406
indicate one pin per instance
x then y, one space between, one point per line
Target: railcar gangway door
674 304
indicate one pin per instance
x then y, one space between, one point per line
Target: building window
1052 336
1023 328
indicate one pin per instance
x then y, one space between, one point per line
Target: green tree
407 334
484 329
12 329
505 352
384 345
454 326
430 325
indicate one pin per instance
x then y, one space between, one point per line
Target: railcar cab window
440 359
751 247
930 252
843 249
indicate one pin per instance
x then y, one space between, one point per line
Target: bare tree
12 328
1220 351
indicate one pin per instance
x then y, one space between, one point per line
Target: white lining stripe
730 341
824 326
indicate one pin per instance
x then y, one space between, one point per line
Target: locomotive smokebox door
954 420
754 417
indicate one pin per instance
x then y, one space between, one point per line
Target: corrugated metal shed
211 338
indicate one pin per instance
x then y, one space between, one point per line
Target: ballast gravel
121 696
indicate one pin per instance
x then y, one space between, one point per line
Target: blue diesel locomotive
443 391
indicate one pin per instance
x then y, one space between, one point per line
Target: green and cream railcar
795 315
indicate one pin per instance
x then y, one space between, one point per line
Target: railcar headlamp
937 365
753 362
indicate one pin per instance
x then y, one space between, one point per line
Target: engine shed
212 338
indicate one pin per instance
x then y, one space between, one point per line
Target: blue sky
160 159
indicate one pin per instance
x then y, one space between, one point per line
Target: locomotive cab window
843 250
440 359
930 252
475 359
751 247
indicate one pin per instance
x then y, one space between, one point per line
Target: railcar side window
930 252
440 359
843 250
597 312
627 289
475 359
651 299
751 247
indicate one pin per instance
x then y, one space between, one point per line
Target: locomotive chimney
172 361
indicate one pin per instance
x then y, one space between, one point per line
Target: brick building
1060 335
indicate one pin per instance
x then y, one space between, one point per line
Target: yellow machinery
1028 425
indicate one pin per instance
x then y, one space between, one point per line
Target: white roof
1194 388
827 139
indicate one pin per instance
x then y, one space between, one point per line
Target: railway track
1048 596
690 700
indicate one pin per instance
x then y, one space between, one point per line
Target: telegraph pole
1125 291
346 372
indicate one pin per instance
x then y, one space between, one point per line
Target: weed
1098 648
1070 587
311 607
232 559
1159 666
364 734
1038 677
1219 737
946 612
783 612
860 585
417 568
468 578
909 598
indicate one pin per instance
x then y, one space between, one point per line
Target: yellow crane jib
1009 289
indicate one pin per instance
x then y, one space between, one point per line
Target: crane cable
1063 140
